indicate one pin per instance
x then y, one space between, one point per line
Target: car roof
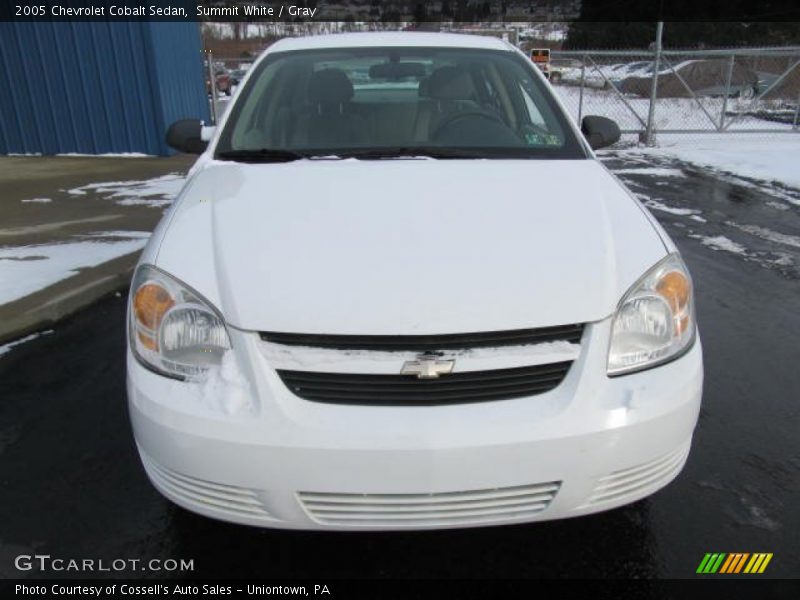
389 39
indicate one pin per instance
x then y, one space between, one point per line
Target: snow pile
683 212
5 349
784 239
720 242
774 160
142 235
28 269
37 200
155 192
225 388
654 171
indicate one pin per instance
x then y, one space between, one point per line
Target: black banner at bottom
345 589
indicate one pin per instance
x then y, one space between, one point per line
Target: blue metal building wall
97 87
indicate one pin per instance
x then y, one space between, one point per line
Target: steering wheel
454 118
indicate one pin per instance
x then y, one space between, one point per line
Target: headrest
329 86
450 83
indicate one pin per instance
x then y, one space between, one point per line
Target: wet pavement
71 484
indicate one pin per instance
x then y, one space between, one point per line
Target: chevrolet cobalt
399 291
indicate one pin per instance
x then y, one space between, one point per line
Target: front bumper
591 444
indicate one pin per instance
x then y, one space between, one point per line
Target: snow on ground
28 269
656 205
765 156
720 242
776 159
5 349
143 235
767 234
654 171
155 192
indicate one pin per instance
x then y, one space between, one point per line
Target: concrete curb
46 307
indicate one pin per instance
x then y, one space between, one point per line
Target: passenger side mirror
600 131
186 135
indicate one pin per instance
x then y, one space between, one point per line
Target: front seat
448 90
330 122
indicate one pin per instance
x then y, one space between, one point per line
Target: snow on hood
408 246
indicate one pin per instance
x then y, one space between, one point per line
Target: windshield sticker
547 139
533 139
551 140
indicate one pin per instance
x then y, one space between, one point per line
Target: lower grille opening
402 390
234 500
420 510
633 482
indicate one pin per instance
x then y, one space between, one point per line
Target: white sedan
398 290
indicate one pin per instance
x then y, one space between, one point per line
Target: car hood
409 245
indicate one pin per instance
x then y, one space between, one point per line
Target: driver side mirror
187 135
600 131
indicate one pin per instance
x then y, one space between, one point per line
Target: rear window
485 103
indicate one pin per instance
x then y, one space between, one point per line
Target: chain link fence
693 92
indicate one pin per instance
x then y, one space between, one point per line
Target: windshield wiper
413 151
264 155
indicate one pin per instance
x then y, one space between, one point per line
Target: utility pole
650 133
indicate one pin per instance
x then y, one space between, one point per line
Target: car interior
393 103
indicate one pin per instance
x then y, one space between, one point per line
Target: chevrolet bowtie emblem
427 367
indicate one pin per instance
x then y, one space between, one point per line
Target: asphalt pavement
71 484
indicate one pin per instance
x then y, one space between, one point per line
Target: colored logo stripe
711 563
758 563
734 562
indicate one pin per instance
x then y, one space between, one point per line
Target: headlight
654 322
173 330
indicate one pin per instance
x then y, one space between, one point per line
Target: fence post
650 134
580 95
796 122
727 93
212 83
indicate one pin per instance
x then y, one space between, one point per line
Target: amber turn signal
150 304
675 288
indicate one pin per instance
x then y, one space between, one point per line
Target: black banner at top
509 11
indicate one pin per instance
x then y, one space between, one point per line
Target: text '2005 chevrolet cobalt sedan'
398 290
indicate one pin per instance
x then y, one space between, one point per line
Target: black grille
404 390
452 341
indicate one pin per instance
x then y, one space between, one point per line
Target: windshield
383 102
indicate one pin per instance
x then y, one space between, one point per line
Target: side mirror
600 131
186 136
